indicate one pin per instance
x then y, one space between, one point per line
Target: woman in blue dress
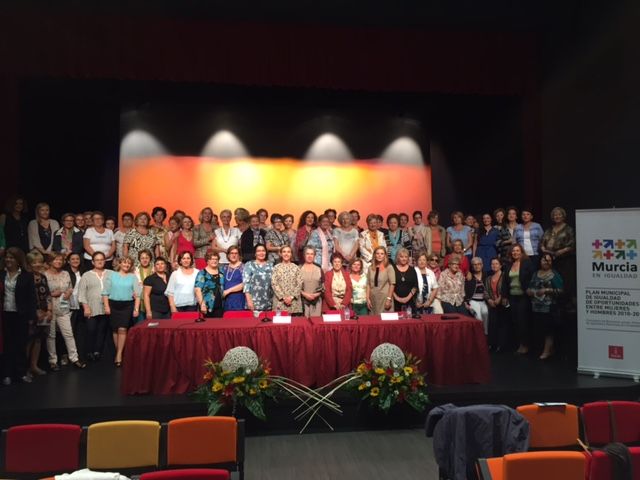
234 298
486 241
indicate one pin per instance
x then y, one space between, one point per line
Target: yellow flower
375 391
225 373
362 386
263 383
252 391
380 371
361 368
421 381
408 371
238 379
217 387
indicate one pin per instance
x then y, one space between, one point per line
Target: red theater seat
596 417
187 474
238 314
184 316
599 465
42 448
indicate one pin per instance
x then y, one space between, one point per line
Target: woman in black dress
404 295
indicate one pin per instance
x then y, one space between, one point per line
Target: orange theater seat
552 426
534 466
206 441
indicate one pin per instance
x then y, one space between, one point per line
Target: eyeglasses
433 259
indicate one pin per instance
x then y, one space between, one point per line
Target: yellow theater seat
123 444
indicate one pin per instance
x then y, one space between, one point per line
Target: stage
93 394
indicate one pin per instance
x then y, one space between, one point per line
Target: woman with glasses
475 293
68 239
234 298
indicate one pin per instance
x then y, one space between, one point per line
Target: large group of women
88 275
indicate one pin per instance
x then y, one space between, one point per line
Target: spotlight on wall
403 150
329 146
140 144
224 144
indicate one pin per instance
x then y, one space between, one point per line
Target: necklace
227 237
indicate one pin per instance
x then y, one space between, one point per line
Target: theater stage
93 394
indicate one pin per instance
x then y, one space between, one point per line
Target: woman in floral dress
286 282
257 281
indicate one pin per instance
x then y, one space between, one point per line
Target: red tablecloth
169 358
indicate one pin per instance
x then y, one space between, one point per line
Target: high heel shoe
117 364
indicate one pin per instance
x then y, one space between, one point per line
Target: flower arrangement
384 387
243 386
242 379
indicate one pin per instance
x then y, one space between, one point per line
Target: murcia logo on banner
615 258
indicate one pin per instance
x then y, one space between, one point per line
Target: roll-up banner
608 274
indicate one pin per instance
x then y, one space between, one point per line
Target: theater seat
553 426
41 448
534 466
188 474
599 464
596 417
185 316
123 445
206 441
238 314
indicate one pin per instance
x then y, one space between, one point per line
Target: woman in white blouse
181 286
427 287
225 237
98 238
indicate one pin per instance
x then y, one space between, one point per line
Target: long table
168 358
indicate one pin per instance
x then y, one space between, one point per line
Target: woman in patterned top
395 237
209 287
38 326
276 238
257 281
286 282
140 238
545 287
451 291
560 242
203 235
321 240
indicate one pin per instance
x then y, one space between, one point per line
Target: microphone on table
200 318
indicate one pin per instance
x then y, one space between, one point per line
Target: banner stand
608 281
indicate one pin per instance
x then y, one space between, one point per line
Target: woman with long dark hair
517 275
15 225
306 225
18 306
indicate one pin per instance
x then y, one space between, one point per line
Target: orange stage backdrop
282 185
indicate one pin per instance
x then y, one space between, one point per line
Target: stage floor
93 394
